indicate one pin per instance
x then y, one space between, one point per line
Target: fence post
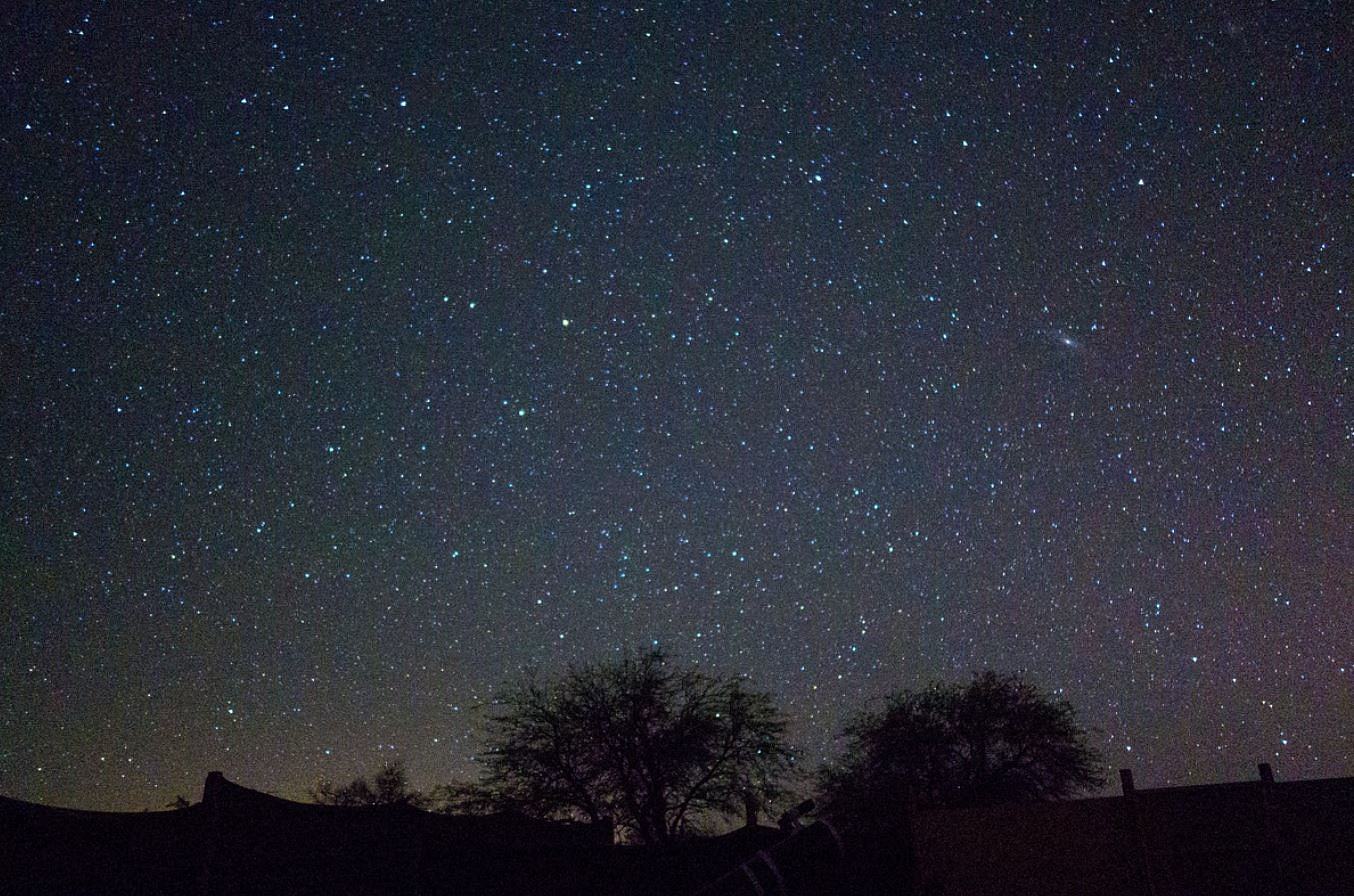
1273 843
1134 810
212 810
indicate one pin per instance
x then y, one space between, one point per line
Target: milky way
359 357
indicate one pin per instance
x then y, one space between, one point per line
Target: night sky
357 358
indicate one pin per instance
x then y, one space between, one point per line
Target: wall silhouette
241 841
1256 837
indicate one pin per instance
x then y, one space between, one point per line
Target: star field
359 357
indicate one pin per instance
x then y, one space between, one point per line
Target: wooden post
1135 823
1273 844
213 793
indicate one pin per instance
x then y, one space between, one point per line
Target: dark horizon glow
358 360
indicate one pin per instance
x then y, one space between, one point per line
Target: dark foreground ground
1255 838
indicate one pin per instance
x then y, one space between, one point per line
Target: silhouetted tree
997 739
388 787
461 797
652 748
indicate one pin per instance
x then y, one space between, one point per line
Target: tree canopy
997 739
388 787
651 747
